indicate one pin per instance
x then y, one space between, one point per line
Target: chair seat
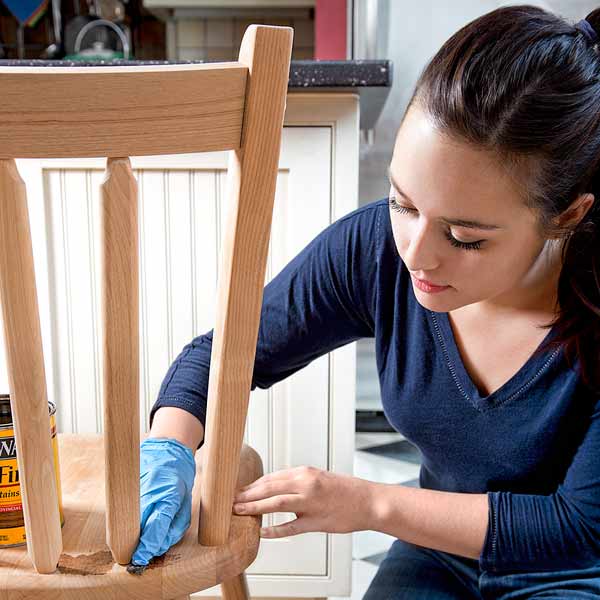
86 569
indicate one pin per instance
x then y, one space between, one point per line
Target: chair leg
235 588
27 383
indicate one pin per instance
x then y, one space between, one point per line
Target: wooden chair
118 112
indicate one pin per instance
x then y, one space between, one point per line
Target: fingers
146 512
178 526
152 537
279 503
265 490
295 527
157 495
283 474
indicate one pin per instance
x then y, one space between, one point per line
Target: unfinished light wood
117 112
252 174
86 569
120 322
27 377
236 588
54 112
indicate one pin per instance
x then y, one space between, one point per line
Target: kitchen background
406 32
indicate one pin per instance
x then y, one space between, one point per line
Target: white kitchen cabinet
307 419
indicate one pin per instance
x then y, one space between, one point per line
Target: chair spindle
120 314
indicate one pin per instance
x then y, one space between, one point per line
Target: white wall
416 32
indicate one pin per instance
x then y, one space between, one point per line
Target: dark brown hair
524 84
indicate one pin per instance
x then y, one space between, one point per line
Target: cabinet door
288 424
181 220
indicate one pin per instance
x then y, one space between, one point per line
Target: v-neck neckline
521 380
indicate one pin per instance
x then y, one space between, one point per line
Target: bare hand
322 501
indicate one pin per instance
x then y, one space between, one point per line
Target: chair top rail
114 111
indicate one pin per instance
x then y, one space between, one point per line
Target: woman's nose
421 253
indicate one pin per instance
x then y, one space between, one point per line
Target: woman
494 374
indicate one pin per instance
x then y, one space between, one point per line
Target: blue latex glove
167 471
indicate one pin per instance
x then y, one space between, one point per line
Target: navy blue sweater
533 446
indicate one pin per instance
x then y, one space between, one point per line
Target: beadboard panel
181 220
278 417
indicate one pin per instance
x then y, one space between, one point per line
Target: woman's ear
576 212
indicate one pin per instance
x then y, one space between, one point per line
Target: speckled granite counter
370 79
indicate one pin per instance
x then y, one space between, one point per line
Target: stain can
12 523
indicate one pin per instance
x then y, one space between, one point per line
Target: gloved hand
167 471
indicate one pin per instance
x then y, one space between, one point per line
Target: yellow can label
12 524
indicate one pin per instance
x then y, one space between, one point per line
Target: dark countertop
370 79
303 73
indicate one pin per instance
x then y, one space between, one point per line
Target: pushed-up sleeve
558 531
321 300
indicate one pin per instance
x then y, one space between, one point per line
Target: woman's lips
429 287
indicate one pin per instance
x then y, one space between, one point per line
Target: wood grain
27 377
59 112
120 112
251 182
86 569
120 322
236 588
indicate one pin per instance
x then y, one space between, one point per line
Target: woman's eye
456 243
464 245
395 206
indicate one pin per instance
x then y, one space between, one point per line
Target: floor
388 458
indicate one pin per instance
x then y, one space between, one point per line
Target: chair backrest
118 112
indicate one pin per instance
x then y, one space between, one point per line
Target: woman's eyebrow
457 222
